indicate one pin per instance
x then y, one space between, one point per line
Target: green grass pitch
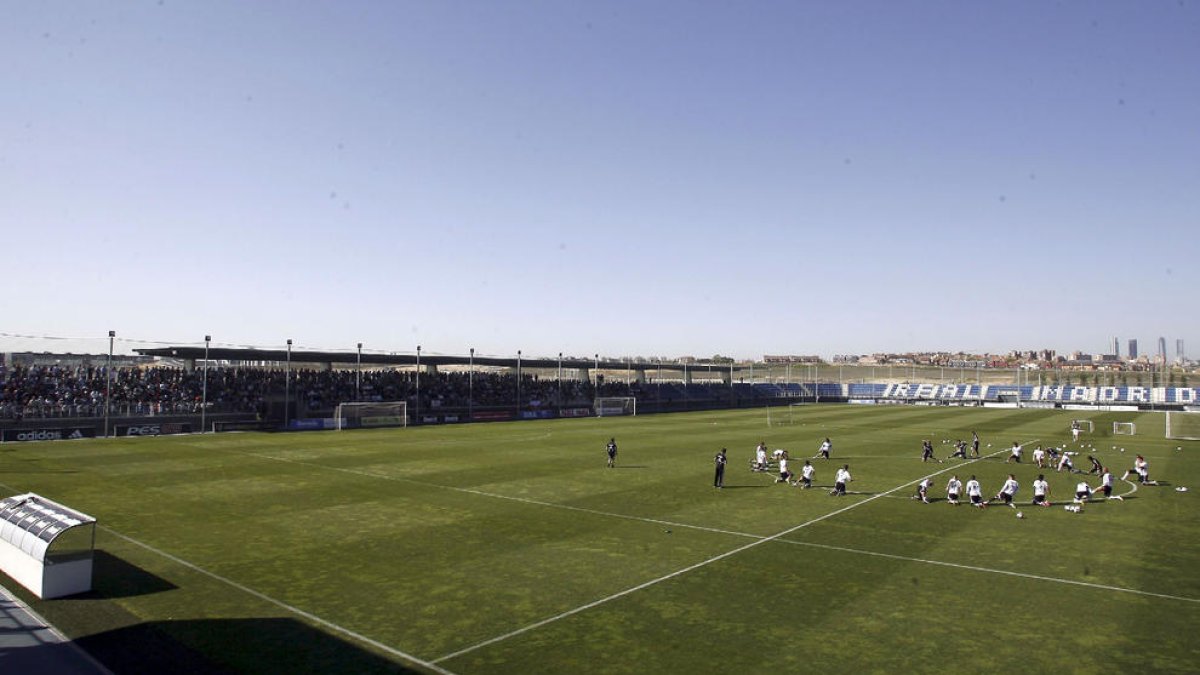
511 548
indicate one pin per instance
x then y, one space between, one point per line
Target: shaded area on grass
217 646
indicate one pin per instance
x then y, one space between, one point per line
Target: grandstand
168 390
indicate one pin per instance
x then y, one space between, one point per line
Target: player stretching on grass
1041 491
960 449
806 475
839 482
975 493
1009 491
1016 453
923 490
953 490
824 450
927 451
1106 485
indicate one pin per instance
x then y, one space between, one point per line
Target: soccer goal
1084 425
1183 426
780 416
1124 428
377 414
612 406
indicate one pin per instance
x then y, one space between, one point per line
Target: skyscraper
1117 347
1162 349
1179 349
1132 349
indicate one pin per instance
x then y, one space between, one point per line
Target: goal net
1084 425
615 405
1124 428
781 415
378 414
1183 426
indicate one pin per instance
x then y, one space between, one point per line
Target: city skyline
662 178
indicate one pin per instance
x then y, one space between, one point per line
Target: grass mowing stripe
702 563
283 605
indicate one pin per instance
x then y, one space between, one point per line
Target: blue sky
629 178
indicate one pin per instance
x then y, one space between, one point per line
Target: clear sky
622 177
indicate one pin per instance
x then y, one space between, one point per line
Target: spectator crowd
59 391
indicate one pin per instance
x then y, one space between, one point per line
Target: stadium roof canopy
377 359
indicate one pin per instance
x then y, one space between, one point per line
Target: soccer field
511 548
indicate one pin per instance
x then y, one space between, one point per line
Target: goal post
611 406
782 415
1084 425
374 414
1183 425
1124 429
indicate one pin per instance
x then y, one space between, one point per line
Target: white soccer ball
1122 449
989 445
1020 515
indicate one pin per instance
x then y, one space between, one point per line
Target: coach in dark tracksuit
719 478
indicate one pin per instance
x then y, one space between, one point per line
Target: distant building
1162 349
1117 347
1133 353
1179 350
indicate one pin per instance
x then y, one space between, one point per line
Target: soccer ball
1020 515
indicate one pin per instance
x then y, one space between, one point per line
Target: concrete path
29 645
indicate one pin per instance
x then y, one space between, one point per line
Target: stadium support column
358 374
287 388
417 416
518 381
204 385
471 386
108 380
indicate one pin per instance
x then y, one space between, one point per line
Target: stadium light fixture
204 385
108 380
358 375
418 402
471 386
518 380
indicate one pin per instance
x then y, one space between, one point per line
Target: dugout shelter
46 547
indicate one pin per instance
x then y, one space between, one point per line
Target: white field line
689 568
283 605
990 570
278 603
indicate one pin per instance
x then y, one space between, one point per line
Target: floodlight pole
518 382
471 386
358 375
596 373
204 385
560 380
287 387
417 417
108 380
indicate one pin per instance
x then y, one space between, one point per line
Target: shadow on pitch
219 646
631 466
113 577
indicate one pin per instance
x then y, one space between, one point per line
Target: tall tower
1179 349
1117 347
1162 349
1132 349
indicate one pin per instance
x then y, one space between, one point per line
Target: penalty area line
703 563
